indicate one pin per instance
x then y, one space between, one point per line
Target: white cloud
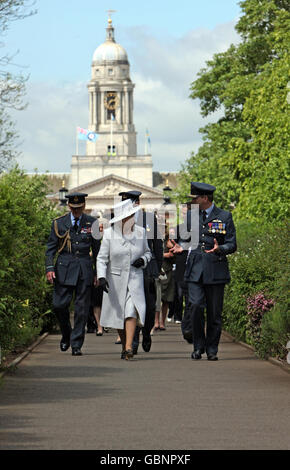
48 126
162 72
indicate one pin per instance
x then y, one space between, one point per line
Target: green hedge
256 308
25 297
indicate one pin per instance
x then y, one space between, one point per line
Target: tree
12 87
244 152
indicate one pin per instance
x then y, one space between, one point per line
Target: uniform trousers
210 296
181 294
150 300
185 312
62 297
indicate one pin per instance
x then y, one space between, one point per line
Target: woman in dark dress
98 291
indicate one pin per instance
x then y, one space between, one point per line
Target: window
110 71
111 151
111 112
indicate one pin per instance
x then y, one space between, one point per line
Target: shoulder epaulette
59 217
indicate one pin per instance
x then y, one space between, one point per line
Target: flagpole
77 142
111 134
146 144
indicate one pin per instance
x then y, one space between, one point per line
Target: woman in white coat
123 255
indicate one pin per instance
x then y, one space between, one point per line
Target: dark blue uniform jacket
211 268
74 259
148 221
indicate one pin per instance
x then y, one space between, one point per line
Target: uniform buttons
77 243
77 252
203 235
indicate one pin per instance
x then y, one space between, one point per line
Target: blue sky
167 43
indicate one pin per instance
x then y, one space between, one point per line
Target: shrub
25 297
257 305
17 325
259 267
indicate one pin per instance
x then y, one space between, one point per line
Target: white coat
114 262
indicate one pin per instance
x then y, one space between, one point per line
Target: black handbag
151 269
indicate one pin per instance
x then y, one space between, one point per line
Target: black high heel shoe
128 354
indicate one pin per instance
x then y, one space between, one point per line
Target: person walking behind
73 272
207 270
148 221
158 303
123 255
182 310
167 282
97 294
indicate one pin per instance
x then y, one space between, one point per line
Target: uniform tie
76 224
203 216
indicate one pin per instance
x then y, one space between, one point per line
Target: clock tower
111 162
111 100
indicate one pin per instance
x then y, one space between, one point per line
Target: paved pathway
160 401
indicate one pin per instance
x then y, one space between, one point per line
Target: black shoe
64 346
197 354
212 357
129 354
76 352
187 335
91 330
146 343
135 349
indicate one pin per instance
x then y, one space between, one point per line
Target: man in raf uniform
207 270
71 239
148 221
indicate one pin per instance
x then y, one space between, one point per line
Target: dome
110 51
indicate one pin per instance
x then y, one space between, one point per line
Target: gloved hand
103 283
138 263
162 276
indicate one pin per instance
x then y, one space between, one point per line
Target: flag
148 137
92 136
84 134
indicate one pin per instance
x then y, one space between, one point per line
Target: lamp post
63 191
166 193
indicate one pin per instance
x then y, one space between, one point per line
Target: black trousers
150 299
91 322
62 297
181 295
210 296
186 317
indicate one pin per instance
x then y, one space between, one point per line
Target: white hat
124 209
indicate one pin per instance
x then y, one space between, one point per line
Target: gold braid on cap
66 237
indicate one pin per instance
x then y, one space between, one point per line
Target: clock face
111 100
